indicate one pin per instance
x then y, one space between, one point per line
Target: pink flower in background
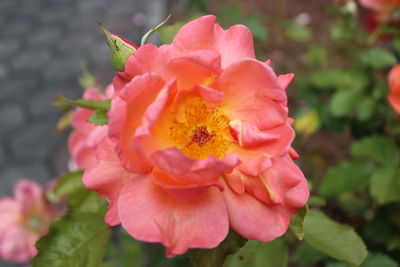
23 220
85 135
199 141
394 85
384 10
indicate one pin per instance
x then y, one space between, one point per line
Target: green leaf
353 203
378 148
124 250
254 253
343 102
346 80
347 176
66 104
99 117
306 255
337 240
385 185
379 259
296 223
315 56
365 109
120 48
296 31
80 199
316 201
73 240
217 256
377 58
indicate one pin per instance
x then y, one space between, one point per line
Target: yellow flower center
199 130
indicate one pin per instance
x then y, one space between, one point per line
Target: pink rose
85 135
394 85
199 141
23 220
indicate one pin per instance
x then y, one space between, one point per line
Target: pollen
199 130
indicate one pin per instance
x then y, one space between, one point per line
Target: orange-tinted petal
107 178
127 110
151 214
394 85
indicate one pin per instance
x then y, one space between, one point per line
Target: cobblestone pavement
42 46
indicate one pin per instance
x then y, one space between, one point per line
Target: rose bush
24 219
199 140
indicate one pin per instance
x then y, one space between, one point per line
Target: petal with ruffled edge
107 178
233 44
251 162
127 110
253 219
252 93
185 171
297 196
147 58
194 68
151 214
273 184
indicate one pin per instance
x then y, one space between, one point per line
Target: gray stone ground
42 44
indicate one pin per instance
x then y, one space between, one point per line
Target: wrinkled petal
251 162
297 196
107 178
232 44
283 175
148 58
251 91
150 214
249 135
126 115
254 220
183 170
272 142
194 68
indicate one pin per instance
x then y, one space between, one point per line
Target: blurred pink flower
384 10
394 85
199 141
85 135
23 220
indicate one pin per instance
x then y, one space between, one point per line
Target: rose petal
252 92
107 178
150 214
126 114
185 171
254 220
